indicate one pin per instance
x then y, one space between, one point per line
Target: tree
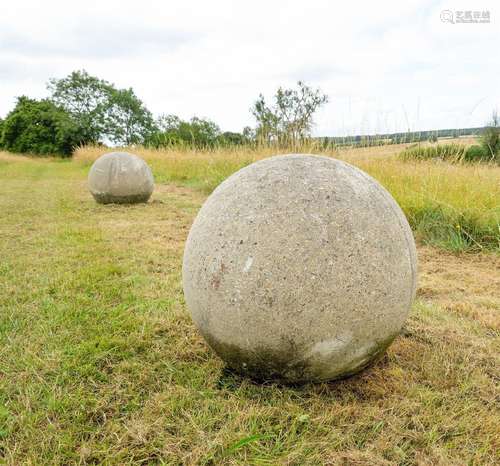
1 131
39 127
230 138
101 111
290 119
167 133
248 133
201 132
86 99
197 132
128 121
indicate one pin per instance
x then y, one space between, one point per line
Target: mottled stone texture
299 268
120 177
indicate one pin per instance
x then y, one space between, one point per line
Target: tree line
83 109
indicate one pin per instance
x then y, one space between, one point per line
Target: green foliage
1 131
128 121
232 139
228 138
197 132
86 99
39 127
490 138
475 153
290 119
101 111
450 152
450 228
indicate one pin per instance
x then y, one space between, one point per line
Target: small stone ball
299 268
121 178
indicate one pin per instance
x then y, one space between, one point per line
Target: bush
476 153
230 138
39 127
450 152
490 142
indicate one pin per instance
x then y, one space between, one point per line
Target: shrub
490 139
230 138
476 153
39 127
450 152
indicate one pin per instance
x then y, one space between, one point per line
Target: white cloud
385 65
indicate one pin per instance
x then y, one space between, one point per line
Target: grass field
455 206
101 364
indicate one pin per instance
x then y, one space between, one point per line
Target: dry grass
350 154
455 206
467 284
100 363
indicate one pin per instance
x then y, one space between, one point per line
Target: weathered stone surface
120 177
299 268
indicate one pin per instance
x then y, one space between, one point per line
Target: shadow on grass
232 381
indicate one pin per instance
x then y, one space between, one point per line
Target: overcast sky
386 66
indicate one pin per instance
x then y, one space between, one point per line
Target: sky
387 66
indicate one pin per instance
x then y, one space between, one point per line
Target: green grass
101 364
454 153
451 152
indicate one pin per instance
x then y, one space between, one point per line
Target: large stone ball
299 268
120 177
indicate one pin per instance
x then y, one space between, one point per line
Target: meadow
450 205
101 364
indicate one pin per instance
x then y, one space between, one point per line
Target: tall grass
450 152
455 153
453 206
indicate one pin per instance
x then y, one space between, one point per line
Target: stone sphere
121 178
299 268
